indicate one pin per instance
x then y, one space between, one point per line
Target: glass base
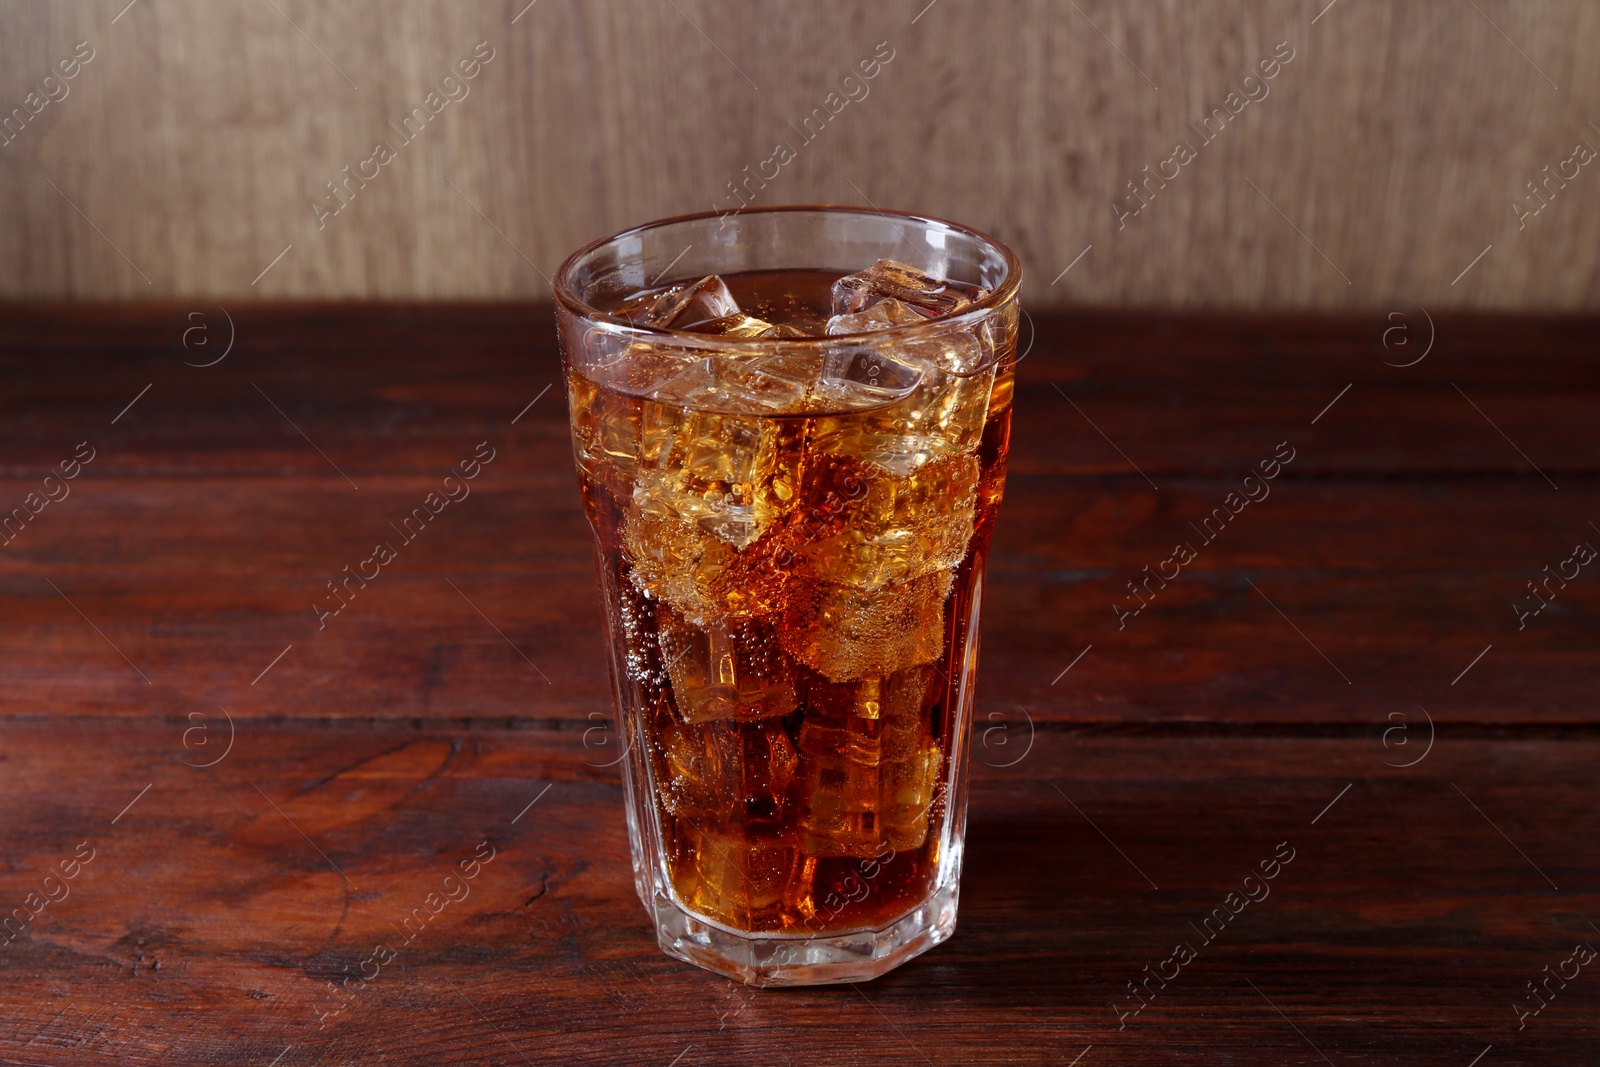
758 960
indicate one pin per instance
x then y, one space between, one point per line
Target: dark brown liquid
790 600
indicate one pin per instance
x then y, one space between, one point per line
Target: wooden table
1338 676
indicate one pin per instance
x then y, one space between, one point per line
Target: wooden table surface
1337 688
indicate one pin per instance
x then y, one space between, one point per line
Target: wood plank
202 582
206 927
1439 801
1214 394
207 526
1204 394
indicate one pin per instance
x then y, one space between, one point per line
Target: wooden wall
1386 154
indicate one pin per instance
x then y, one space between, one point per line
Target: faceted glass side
791 542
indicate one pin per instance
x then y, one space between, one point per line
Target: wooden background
1385 159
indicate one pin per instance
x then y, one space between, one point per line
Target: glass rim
1007 291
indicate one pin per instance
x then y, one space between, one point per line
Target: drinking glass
791 530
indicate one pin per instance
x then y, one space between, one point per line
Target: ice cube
729 515
676 560
907 792
704 769
727 474
768 746
730 669
746 327
846 633
702 576
961 350
683 307
755 383
888 279
868 765
723 770
843 720
914 398
898 528
703 307
855 376
839 816
943 415
909 759
902 701
868 702
605 434
839 781
751 882
885 314
641 367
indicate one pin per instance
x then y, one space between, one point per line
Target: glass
791 530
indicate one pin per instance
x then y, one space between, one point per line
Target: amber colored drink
792 541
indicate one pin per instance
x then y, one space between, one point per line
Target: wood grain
207 929
279 799
207 526
1383 159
